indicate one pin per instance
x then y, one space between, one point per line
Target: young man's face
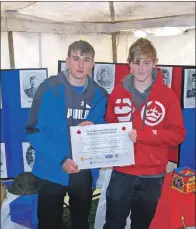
142 69
79 65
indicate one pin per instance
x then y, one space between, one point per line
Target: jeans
51 199
127 193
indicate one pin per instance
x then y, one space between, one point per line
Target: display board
18 87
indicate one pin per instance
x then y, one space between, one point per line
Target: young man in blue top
71 98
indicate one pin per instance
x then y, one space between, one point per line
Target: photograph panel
189 87
63 66
3 162
167 75
29 83
104 75
28 156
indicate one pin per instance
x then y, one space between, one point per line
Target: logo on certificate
108 156
81 158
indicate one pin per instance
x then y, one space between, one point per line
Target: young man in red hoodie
155 112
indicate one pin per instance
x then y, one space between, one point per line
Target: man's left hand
86 123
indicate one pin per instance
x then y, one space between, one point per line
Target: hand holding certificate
104 145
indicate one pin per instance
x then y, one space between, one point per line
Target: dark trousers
51 199
127 193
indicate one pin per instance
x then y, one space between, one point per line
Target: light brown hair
142 48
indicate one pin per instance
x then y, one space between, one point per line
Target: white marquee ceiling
87 17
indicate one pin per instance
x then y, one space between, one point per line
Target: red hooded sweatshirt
158 122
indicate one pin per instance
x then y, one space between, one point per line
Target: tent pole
112 15
114 48
11 49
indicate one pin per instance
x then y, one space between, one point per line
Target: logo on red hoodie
123 109
155 113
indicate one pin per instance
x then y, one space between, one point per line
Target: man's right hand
70 166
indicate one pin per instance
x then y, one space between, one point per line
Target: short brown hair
82 46
142 48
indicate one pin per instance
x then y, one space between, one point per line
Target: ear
67 61
155 62
130 68
92 65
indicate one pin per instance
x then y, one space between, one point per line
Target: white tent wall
55 47
171 50
34 50
26 50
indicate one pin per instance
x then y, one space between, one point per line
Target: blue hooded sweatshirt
57 105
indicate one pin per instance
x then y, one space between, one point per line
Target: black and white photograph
167 75
104 75
29 82
3 162
63 66
28 156
189 87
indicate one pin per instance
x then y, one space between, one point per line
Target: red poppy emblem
79 132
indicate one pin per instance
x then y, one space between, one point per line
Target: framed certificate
104 145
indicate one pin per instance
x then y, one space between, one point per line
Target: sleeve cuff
63 161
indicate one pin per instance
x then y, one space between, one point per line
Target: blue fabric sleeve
64 160
97 115
45 148
42 141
